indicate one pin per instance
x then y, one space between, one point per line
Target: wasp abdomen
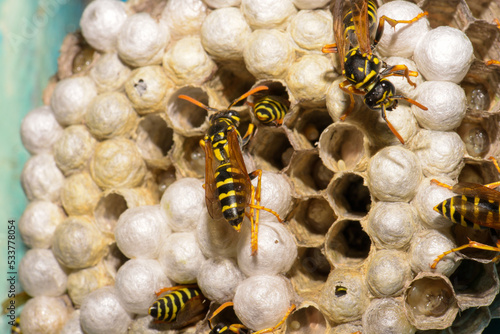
230 182
167 308
469 211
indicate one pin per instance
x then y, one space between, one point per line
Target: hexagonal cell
309 272
233 80
481 89
347 243
114 202
430 301
480 8
189 156
348 195
277 90
185 117
164 178
270 148
307 318
446 13
481 172
307 126
77 56
343 146
108 210
310 221
476 138
154 139
471 321
308 173
476 284
483 36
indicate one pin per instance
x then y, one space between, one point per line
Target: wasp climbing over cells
181 306
475 206
366 73
223 328
228 187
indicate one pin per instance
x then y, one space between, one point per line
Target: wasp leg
396 133
268 330
175 288
401 97
330 48
399 70
393 23
219 310
492 62
256 199
345 86
471 244
441 184
248 135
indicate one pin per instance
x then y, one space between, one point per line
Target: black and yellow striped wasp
228 187
16 328
222 328
366 73
476 206
181 306
270 108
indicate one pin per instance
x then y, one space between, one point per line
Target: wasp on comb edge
222 328
228 187
365 73
181 306
476 206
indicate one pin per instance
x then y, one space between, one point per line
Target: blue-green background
31 33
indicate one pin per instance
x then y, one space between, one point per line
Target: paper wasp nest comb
116 174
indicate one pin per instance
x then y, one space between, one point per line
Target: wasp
270 109
228 187
16 328
366 73
181 306
222 328
476 206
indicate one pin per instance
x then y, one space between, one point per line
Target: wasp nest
115 179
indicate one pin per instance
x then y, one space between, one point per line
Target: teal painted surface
31 33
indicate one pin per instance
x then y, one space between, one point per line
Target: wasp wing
242 181
362 27
476 190
211 194
338 29
192 311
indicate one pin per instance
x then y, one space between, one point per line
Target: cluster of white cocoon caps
86 153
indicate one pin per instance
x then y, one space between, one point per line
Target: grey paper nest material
116 170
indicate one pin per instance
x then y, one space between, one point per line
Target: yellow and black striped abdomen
168 307
232 190
469 211
350 29
269 110
16 328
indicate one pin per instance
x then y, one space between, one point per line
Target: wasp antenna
196 102
400 97
247 94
